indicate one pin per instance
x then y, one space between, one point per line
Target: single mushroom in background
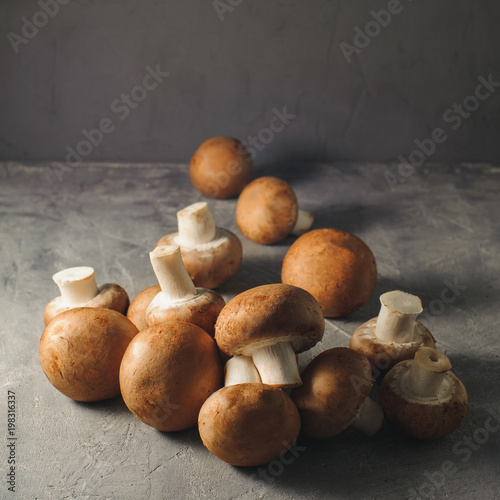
394 335
240 370
335 395
81 350
267 211
422 398
248 424
211 254
167 373
179 299
137 309
335 266
79 288
221 167
270 323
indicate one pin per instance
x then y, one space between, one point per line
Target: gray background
226 77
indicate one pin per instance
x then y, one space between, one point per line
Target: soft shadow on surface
115 405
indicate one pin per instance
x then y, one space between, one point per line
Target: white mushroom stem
370 417
196 225
304 222
398 313
171 273
277 365
427 374
240 370
77 285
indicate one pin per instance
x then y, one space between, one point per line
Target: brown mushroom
270 323
78 288
248 424
422 398
335 266
179 299
267 211
221 167
211 254
137 309
394 335
335 394
167 373
81 350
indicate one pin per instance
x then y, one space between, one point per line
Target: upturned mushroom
221 167
168 372
79 288
248 424
394 335
267 211
335 395
422 398
137 309
270 323
81 350
335 266
179 299
211 254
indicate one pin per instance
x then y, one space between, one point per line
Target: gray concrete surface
397 84
435 235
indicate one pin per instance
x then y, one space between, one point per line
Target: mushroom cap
137 310
167 373
266 315
422 419
210 264
335 385
81 349
248 424
384 355
266 211
202 310
110 296
221 167
335 266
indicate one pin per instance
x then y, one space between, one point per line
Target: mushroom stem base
277 365
370 417
304 222
240 370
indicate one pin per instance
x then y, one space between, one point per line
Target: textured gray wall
226 76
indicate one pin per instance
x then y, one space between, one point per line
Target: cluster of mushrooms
181 357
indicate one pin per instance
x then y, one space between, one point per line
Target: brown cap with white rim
271 323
